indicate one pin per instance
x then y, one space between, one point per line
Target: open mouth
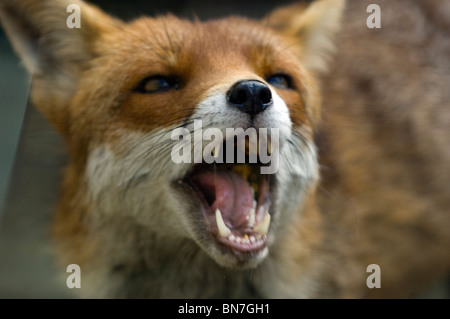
235 200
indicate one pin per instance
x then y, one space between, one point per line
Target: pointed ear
53 49
312 28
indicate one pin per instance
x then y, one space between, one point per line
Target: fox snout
250 96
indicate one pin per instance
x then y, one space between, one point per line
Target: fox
359 205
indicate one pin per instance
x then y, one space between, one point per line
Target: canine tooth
252 145
224 231
269 147
261 210
251 218
263 226
216 151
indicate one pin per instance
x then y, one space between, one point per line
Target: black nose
250 96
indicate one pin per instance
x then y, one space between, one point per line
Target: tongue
233 195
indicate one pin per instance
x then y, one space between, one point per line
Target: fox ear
55 39
312 27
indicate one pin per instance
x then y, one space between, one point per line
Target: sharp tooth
251 218
262 210
252 145
216 151
224 231
263 226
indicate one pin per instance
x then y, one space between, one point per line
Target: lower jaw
240 250
221 249
239 260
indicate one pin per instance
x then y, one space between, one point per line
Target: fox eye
157 83
281 81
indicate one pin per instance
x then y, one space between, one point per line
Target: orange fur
379 199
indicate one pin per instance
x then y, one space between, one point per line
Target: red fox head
117 91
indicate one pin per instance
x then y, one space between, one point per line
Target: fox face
117 92
210 78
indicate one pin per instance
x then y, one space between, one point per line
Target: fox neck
133 262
